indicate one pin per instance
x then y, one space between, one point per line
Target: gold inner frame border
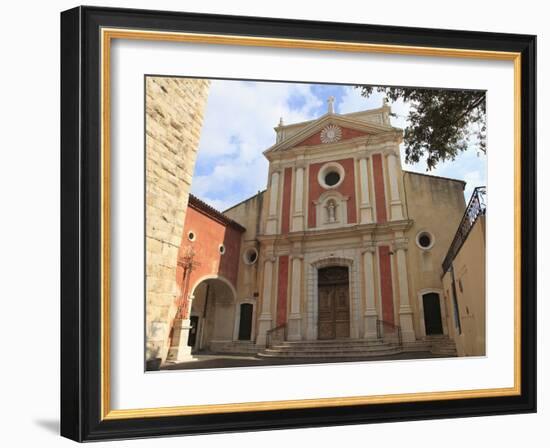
107 35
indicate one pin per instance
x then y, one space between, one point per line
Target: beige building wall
249 214
469 274
434 205
174 115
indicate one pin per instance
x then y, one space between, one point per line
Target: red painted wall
282 290
210 233
347 134
386 284
347 188
287 188
379 192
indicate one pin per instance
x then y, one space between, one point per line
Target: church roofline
211 212
463 182
349 114
343 120
245 200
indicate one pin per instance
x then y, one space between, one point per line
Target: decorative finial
330 102
281 121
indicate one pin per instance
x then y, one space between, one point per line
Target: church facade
343 245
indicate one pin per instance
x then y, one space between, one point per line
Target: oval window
332 178
251 256
331 175
425 240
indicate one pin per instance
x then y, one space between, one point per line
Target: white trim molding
328 168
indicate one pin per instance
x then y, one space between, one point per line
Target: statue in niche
331 211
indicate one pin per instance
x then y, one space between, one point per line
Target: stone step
240 347
444 352
416 347
333 348
329 354
443 346
303 345
329 347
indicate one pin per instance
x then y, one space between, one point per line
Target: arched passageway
212 313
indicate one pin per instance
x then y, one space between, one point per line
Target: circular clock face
331 134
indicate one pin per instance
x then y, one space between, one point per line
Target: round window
332 178
251 256
425 240
331 175
221 248
191 236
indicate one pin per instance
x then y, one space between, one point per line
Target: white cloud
238 127
353 101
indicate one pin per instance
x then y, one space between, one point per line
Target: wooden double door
334 308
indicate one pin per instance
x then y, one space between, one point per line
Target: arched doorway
433 322
334 302
212 313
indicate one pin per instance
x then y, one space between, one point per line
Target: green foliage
442 123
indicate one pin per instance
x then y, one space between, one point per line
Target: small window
191 236
331 175
332 178
425 240
221 248
250 256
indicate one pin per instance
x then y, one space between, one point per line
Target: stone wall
175 110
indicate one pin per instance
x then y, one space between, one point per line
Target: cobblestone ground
218 361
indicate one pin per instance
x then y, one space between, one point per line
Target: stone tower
175 110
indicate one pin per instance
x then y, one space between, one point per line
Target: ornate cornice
401 244
368 249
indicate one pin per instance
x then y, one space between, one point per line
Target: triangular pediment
341 133
316 132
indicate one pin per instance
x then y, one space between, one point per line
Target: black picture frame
81 224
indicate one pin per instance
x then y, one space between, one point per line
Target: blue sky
238 127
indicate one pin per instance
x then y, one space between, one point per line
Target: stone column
298 218
271 226
405 310
265 315
295 317
366 208
395 201
371 315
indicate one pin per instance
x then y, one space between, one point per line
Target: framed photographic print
272 223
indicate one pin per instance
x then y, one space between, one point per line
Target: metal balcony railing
476 208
